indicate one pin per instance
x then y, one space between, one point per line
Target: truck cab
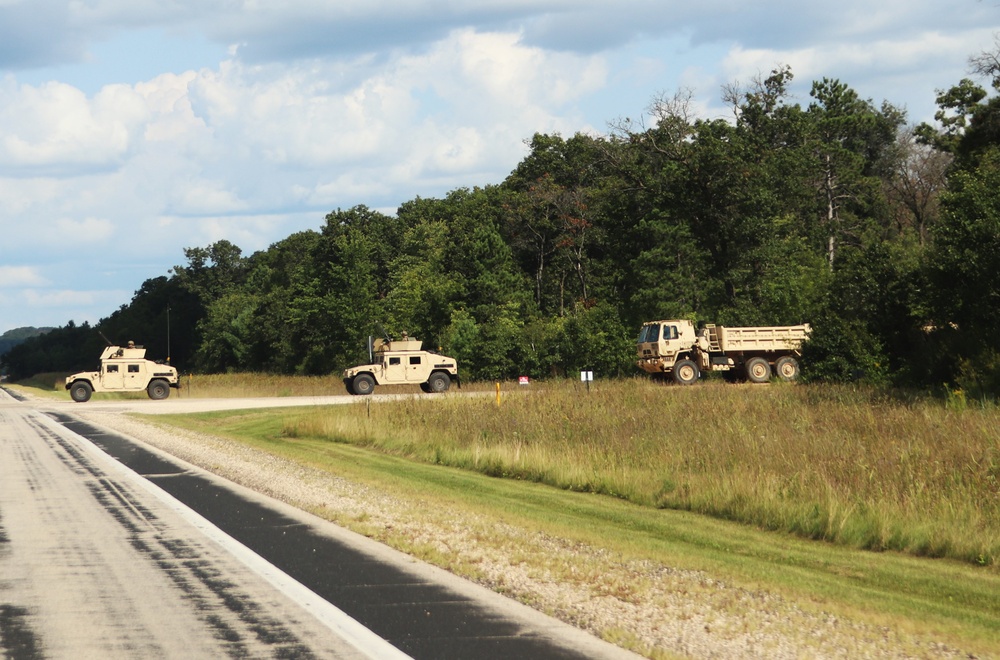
662 343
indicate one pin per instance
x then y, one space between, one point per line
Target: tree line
883 235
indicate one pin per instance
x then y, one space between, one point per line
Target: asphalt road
97 563
111 549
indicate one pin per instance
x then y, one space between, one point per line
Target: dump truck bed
754 339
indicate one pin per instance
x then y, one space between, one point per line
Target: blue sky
131 129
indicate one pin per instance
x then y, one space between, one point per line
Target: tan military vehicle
676 349
124 369
402 362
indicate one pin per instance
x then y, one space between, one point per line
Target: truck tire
758 370
438 382
158 389
363 384
686 372
787 368
80 391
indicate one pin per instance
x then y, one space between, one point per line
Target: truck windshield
649 333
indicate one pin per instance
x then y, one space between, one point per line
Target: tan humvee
124 369
402 362
676 349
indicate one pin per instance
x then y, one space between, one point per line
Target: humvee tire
158 389
438 382
363 384
80 392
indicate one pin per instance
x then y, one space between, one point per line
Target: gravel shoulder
648 607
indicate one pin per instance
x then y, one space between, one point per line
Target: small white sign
586 376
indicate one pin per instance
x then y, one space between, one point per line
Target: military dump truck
674 349
124 369
402 362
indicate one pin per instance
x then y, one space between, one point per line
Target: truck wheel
81 391
686 372
758 370
787 368
438 382
364 384
157 390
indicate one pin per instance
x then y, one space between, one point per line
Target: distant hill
12 338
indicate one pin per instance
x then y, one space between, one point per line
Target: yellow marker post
498 394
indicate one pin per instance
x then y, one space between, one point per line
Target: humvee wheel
157 390
424 387
787 368
438 382
685 372
363 384
80 392
758 370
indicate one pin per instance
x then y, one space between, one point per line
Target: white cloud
171 118
12 277
911 51
904 69
18 196
76 233
58 298
472 98
206 197
56 127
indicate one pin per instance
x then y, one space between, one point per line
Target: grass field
846 465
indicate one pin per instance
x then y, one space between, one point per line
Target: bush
841 350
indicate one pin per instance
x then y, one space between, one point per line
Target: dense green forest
12 338
837 212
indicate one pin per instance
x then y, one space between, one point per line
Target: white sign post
586 377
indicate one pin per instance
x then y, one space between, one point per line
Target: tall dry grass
258 385
842 464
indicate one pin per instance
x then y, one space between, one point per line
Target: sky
132 129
